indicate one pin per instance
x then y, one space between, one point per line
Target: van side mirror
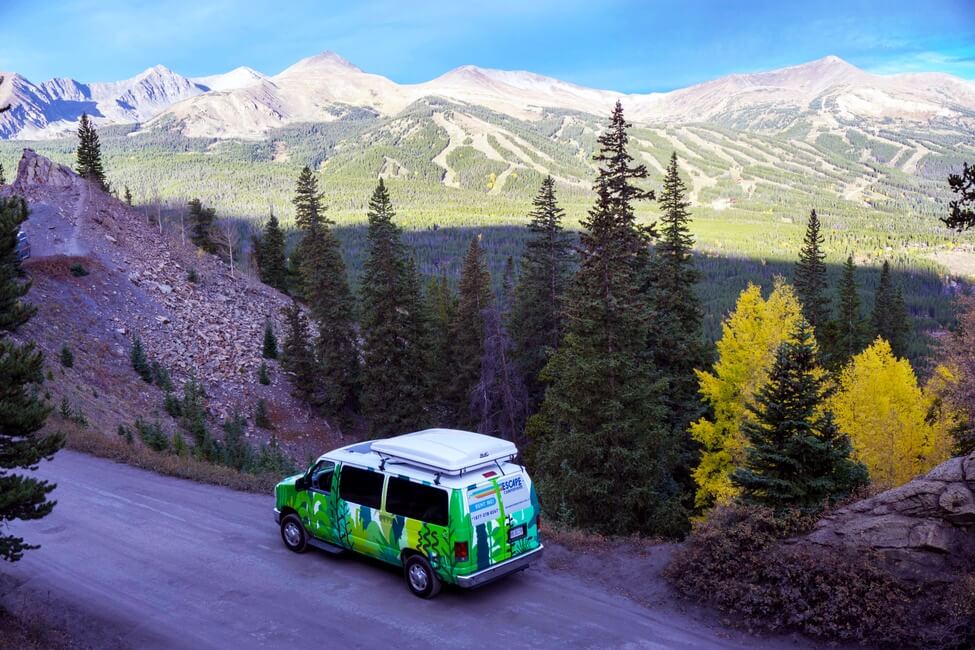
301 483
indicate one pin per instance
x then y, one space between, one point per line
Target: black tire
293 533
420 577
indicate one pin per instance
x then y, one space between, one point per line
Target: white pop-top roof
446 450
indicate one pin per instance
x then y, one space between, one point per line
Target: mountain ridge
244 103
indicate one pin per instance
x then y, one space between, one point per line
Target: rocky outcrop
924 530
34 170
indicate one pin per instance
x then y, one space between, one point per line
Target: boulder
924 529
36 170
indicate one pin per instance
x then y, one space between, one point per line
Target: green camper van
447 506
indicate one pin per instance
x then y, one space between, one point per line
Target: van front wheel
420 577
293 534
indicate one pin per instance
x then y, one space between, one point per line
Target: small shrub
172 405
64 409
152 434
78 271
192 276
50 375
67 357
161 376
737 561
269 349
263 378
140 362
180 448
235 452
261 418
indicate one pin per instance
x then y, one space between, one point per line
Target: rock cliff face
924 530
137 284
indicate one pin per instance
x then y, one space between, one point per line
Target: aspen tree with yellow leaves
880 406
750 337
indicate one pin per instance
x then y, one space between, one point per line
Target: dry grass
18 633
576 539
137 455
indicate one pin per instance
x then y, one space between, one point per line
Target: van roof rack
446 451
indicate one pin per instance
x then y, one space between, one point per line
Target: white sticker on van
515 494
483 504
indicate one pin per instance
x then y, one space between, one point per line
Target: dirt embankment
103 272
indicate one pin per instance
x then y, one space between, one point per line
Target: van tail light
460 552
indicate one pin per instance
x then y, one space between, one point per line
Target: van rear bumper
507 567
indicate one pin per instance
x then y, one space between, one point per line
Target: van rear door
502 513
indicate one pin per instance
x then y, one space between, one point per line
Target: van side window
321 476
416 501
361 486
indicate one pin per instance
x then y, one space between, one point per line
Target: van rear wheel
293 534
420 577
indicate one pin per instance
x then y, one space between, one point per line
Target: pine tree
890 320
271 255
395 375
849 329
89 153
676 333
202 225
330 302
797 459
603 460
128 196
467 332
22 410
14 311
269 348
507 294
811 281
536 315
440 307
297 353
140 361
3 177
309 211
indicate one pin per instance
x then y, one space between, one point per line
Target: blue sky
630 46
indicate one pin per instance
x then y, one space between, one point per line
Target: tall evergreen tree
394 373
602 457
202 226
676 333
797 458
325 286
440 307
128 195
309 211
467 331
22 410
849 330
89 153
271 258
298 354
811 281
3 177
536 315
889 320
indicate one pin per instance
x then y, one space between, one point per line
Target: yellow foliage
746 350
880 406
491 180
